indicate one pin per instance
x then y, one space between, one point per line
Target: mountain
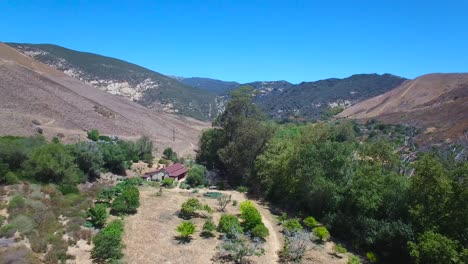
211 85
35 97
148 88
436 103
282 100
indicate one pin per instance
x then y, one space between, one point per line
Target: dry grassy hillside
35 95
437 103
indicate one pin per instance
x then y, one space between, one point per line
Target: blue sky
249 40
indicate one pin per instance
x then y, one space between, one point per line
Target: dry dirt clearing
150 234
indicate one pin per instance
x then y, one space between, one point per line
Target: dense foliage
197 176
108 243
363 183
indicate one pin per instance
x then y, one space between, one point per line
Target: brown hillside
34 95
437 103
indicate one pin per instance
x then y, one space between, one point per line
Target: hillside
35 97
131 81
211 85
437 103
282 100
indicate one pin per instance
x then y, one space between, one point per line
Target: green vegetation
167 182
127 202
310 222
186 229
93 135
208 227
197 176
229 225
98 215
169 154
108 243
363 182
322 233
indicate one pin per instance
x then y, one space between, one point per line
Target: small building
176 171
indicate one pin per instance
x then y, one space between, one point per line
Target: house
176 171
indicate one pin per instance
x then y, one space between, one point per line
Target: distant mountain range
204 98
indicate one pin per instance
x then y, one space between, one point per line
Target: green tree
114 157
430 194
197 176
211 141
52 163
434 248
170 154
127 202
89 158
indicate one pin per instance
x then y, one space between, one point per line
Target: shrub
209 226
7 230
186 229
283 218
310 222
170 154
260 231
93 135
352 259
223 201
229 225
168 182
340 249
238 246
234 203
295 246
127 202
250 216
322 233
189 208
23 224
16 203
292 225
98 215
10 178
108 243
372 257
242 189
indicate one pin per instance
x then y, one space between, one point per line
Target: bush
7 230
10 178
108 243
127 202
168 182
352 259
260 231
322 233
186 229
23 224
242 189
189 208
292 225
310 222
250 216
229 225
372 257
93 135
340 249
98 215
209 226
170 154
197 176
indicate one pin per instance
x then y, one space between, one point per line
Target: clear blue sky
248 40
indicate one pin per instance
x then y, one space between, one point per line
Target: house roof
175 170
